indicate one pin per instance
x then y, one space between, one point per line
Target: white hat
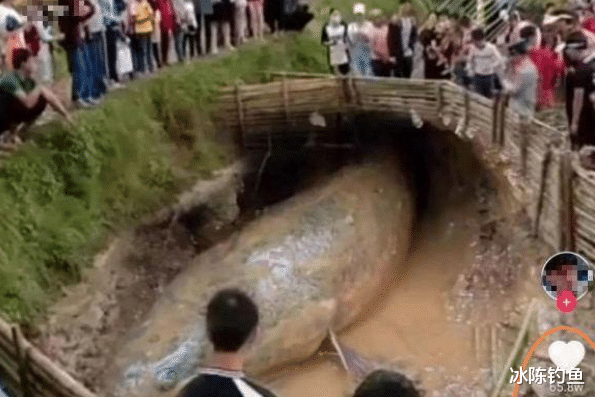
359 8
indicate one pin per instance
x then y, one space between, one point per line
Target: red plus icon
566 302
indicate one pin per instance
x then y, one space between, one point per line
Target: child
485 62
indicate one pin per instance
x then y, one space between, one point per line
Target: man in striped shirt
232 318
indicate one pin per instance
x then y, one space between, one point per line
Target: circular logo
567 271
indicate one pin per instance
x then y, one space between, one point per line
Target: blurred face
336 17
30 67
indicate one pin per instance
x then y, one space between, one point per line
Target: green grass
69 188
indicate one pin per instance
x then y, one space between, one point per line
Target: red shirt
549 67
589 24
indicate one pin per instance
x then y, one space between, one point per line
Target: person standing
580 90
112 19
381 65
144 18
74 43
548 66
168 25
240 20
485 61
522 79
10 23
156 39
204 18
232 321
46 69
431 51
360 43
94 30
334 37
12 31
190 30
408 32
256 10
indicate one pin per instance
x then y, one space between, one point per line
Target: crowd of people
110 41
526 60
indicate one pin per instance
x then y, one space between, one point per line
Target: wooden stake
524 140
285 98
516 348
240 108
439 99
545 165
23 360
495 119
566 202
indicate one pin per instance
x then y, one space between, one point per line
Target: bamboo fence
558 194
27 372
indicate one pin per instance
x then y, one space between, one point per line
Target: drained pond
405 246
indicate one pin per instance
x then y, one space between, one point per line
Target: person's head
24 61
359 11
576 48
431 22
518 51
478 36
335 16
232 318
529 35
565 22
407 11
382 383
465 22
376 17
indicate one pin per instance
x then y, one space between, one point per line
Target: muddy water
419 322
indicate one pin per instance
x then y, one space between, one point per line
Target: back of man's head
386 384
478 34
232 318
528 32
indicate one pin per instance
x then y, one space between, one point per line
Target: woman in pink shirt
381 65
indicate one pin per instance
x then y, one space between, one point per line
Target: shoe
116 86
83 104
94 101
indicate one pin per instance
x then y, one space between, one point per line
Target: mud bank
329 251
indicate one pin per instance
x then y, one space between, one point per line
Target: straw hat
359 8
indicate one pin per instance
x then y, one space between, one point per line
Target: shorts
223 11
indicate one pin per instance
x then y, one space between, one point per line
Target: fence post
285 98
566 202
23 361
502 126
545 166
495 118
525 129
439 98
466 102
240 107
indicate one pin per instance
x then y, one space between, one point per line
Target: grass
69 188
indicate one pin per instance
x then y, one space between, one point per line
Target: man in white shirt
485 63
